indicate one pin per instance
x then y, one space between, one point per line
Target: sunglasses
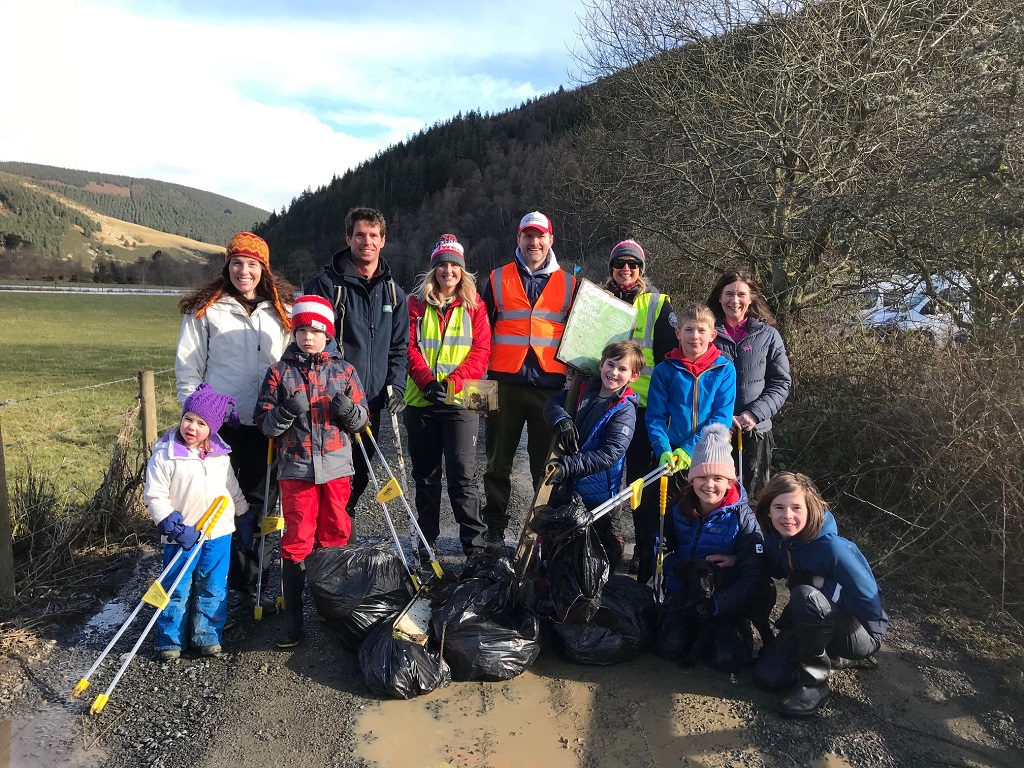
631 263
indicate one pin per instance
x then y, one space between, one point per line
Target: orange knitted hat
253 247
249 245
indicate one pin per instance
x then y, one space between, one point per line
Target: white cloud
239 107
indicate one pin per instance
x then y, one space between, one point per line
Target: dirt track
932 701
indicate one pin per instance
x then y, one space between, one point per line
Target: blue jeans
203 589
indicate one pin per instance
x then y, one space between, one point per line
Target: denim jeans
200 601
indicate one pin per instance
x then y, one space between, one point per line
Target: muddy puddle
48 737
556 714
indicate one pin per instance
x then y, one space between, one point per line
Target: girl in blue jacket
713 522
835 617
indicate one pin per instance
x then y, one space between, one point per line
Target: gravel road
935 699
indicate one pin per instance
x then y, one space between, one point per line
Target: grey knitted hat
713 454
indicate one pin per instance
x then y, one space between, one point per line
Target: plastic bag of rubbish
577 570
487 636
399 668
354 588
555 522
622 627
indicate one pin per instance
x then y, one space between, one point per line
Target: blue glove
173 527
171 524
245 524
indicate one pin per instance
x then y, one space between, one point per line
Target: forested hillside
160 205
474 175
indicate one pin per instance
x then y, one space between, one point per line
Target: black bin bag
354 588
486 635
622 628
399 668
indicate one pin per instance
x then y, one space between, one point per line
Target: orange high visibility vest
519 327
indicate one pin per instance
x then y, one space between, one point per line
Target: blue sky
260 99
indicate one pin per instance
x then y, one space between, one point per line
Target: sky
260 99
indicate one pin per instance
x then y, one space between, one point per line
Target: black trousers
444 438
640 460
361 477
249 461
757 461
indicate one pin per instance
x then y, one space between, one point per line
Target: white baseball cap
536 220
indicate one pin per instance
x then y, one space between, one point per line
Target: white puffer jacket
177 479
231 351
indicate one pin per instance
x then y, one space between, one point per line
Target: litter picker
156 596
268 524
659 567
392 490
401 462
387 516
739 450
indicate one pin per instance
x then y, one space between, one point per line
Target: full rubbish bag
399 668
566 583
486 634
355 588
622 628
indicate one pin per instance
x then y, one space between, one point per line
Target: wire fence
67 435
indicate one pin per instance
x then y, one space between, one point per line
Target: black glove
396 403
568 437
800 578
297 404
436 393
245 524
340 404
554 472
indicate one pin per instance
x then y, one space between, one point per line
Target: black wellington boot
293 574
814 666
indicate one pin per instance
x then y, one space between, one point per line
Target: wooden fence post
6 532
147 397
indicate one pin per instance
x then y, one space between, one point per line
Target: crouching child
712 527
188 470
835 618
605 418
311 403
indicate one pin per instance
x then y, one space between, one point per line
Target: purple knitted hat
211 407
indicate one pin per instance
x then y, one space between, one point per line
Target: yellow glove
666 458
681 460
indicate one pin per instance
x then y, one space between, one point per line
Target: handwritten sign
596 319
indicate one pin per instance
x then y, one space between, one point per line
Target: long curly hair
758 305
270 288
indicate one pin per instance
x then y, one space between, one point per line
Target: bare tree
783 135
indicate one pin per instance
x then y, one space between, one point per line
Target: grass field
51 343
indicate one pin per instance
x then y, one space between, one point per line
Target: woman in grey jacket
747 336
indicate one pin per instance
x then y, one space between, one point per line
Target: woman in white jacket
235 327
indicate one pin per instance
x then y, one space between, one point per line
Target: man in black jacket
372 321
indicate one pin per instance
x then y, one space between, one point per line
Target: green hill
159 205
45 235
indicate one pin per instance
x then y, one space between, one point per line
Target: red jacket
475 364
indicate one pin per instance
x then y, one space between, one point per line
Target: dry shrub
921 451
62 552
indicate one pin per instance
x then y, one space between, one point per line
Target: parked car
901 307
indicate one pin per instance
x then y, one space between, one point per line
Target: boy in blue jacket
606 418
692 387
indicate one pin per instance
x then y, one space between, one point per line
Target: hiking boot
494 538
841 662
293 574
168 654
210 650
